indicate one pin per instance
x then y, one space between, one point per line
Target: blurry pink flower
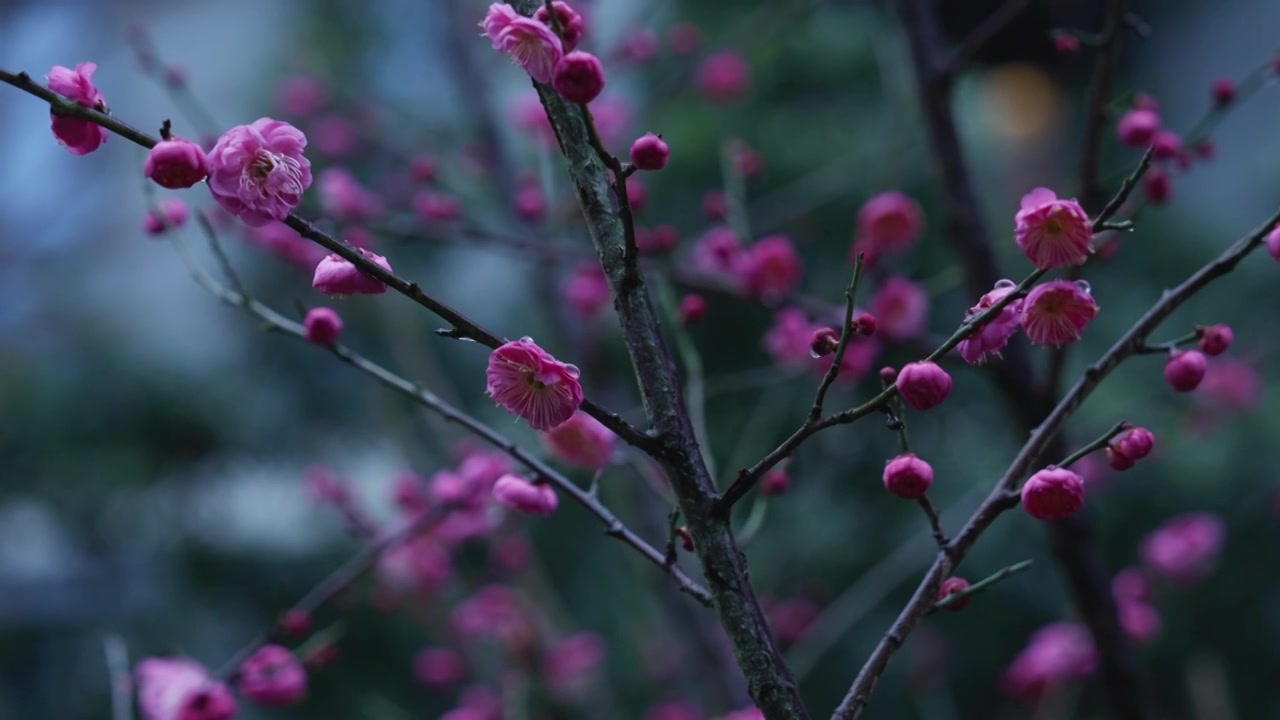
718 252
342 196
770 268
1166 145
662 238
570 659
335 275
519 494
587 290
272 676
323 325
77 135
175 211
693 308
409 493
1130 585
907 476
923 384
889 222
751 713
176 164
439 666
530 383
1185 549
484 467
447 486
901 309
1053 493
789 339
529 203
775 482
325 486
467 523
1224 91
258 172
285 242
1055 654
420 565
492 611
637 194
181 689
1056 312
1137 127
674 711
581 441
792 617
859 357
1140 621
1157 186
335 136
1052 232
532 117
301 95
532 45
511 553
724 76
612 117
571 23
1230 384
639 45
685 38
994 334
435 206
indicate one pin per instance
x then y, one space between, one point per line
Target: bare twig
981 35
981 585
846 332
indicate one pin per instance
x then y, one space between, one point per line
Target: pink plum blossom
181 689
338 276
530 383
581 441
519 494
78 135
1056 312
1052 232
272 676
258 171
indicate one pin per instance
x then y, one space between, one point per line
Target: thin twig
935 522
981 35
613 526
981 585
846 332
1101 442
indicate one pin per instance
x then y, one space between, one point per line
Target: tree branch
613 526
462 326
768 679
1003 496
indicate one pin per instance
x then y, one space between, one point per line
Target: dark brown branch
1004 496
1096 116
463 326
768 679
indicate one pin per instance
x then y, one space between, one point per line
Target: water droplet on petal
1085 287
815 354
526 339
1003 283
572 370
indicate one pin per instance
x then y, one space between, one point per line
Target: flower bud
1137 127
692 308
775 482
295 623
323 325
1215 339
907 476
864 324
649 152
950 586
1053 493
1224 91
578 77
1185 369
923 384
824 341
519 494
176 164
1136 443
272 676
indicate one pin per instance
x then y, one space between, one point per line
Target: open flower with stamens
258 172
530 383
1051 231
1056 312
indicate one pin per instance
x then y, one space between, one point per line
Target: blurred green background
153 442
